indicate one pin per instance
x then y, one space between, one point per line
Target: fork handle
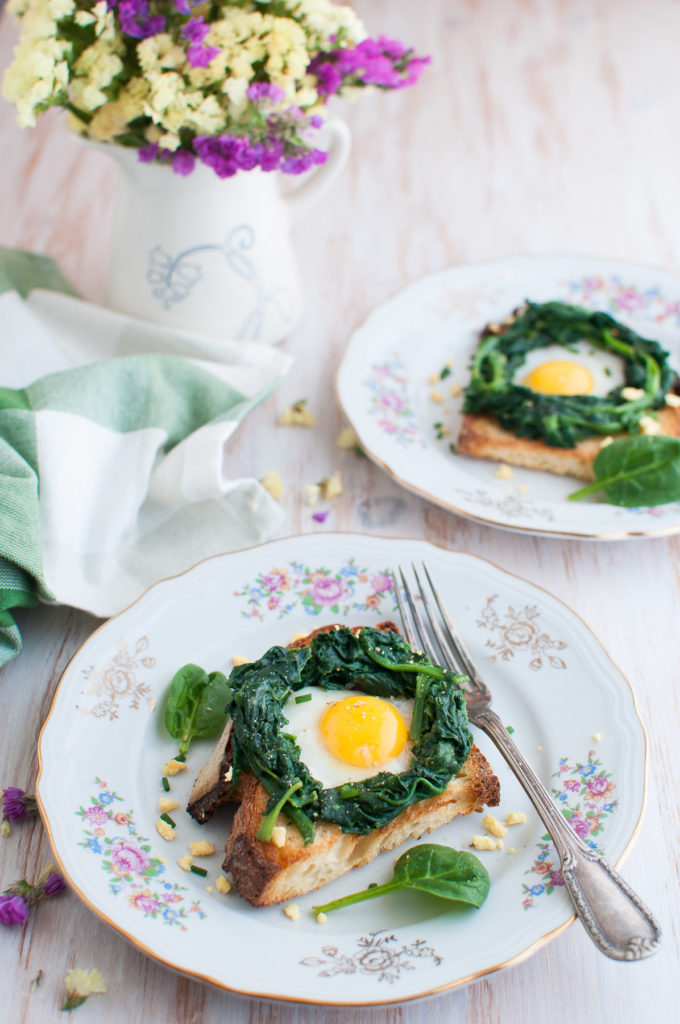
613 915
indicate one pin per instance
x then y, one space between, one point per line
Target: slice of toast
484 438
264 873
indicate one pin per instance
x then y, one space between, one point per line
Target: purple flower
54 884
128 858
265 91
147 154
134 18
320 517
198 55
13 803
183 162
13 910
96 815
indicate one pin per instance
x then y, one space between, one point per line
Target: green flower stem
264 833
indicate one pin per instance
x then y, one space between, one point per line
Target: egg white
595 361
304 723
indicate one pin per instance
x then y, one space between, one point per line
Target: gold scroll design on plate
518 631
118 683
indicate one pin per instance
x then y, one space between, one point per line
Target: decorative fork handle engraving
613 915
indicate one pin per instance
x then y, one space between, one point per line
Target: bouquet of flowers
235 84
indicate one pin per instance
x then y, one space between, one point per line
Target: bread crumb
229 774
279 835
331 486
201 848
297 415
493 825
321 918
292 911
597 736
312 492
511 849
208 888
516 818
299 636
222 884
523 488
238 659
632 394
504 472
164 830
672 400
539 747
347 439
484 843
273 483
492 328
434 377
605 442
443 431
173 767
455 390
436 396
185 862
648 425
167 804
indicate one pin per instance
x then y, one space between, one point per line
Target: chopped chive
166 784
445 373
608 371
303 698
510 729
198 871
167 819
180 757
452 448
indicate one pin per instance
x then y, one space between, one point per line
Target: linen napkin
113 470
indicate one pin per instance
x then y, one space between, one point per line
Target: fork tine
418 634
456 642
448 651
409 630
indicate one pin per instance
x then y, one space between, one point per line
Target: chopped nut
297 415
511 849
238 659
222 884
672 400
597 736
185 862
279 835
523 488
312 492
166 804
321 918
164 830
292 911
516 818
434 377
455 390
492 328
504 472
347 439
273 483
539 747
632 394
443 430
299 636
436 396
229 774
173 767
208 888
331 486
648 425
484 843
201 848
493 825
606 441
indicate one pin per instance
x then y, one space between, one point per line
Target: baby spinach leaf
642 470
196 704
439 870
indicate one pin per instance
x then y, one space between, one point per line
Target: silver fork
613 915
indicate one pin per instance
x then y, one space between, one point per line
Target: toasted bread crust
484 438
265 874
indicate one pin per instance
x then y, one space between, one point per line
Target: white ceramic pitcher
210 254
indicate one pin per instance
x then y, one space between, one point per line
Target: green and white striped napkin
113 470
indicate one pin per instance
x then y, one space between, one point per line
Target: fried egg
347 736
554 370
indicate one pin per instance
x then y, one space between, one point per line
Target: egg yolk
560 378
363 731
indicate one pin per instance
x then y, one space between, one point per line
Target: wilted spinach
196 705
439 870
376 662
563 420
633 471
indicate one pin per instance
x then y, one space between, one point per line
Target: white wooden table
543 126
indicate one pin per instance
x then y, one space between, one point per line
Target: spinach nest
563 420
375 662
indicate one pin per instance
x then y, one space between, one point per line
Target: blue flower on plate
536 890
587 770
95 846
106 798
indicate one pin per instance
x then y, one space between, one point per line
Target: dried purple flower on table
320 517
13 909
17 804
54 884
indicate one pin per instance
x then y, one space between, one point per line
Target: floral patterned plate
103 746
389 381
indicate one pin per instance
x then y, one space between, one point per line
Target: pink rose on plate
390 399
556 878
598 785
387 426
381 582
329 591
275 580
128 858
97 815
145 902
580 827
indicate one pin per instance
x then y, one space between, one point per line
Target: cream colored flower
81 984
